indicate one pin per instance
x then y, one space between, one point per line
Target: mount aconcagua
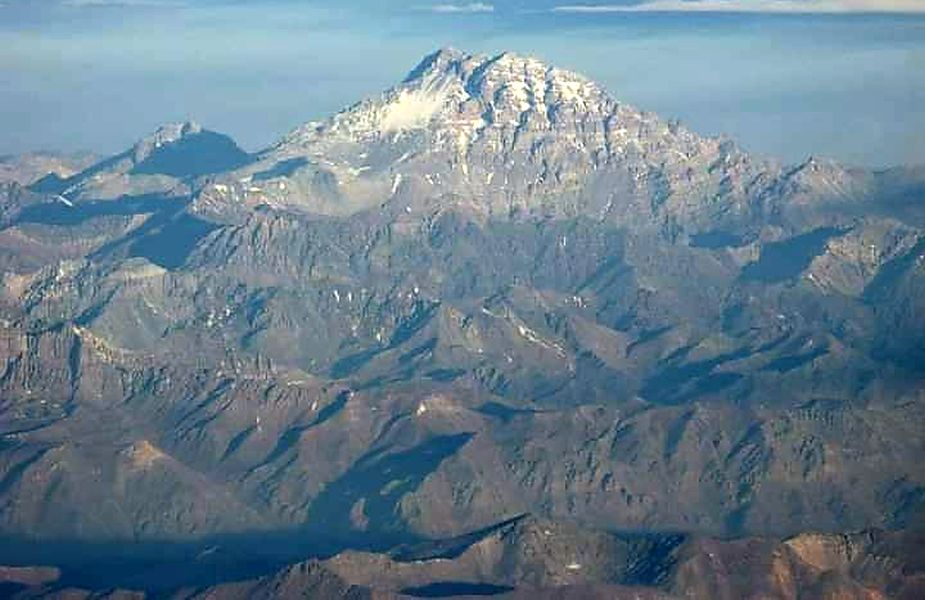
492 326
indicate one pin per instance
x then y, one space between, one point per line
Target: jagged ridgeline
492 290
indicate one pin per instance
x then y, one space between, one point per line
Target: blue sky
839 78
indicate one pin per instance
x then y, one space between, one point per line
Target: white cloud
473 7
756 6
125 3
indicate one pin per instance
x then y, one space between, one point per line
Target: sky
789 78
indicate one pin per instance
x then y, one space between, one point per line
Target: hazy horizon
846 86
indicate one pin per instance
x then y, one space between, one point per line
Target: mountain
492 290
26 169
505 136
534 558
163 163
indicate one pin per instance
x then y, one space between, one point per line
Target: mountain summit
505 135
462 97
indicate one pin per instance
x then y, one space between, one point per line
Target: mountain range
492 331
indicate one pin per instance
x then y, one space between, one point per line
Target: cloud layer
124 3
473 7
754 6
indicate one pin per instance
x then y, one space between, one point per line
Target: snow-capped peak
507 132
455 95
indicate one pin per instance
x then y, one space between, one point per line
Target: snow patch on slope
412 109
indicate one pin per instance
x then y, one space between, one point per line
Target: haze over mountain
95 74
491 331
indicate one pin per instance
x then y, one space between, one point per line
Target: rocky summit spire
165 134
439 60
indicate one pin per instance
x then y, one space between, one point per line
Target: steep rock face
13 199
